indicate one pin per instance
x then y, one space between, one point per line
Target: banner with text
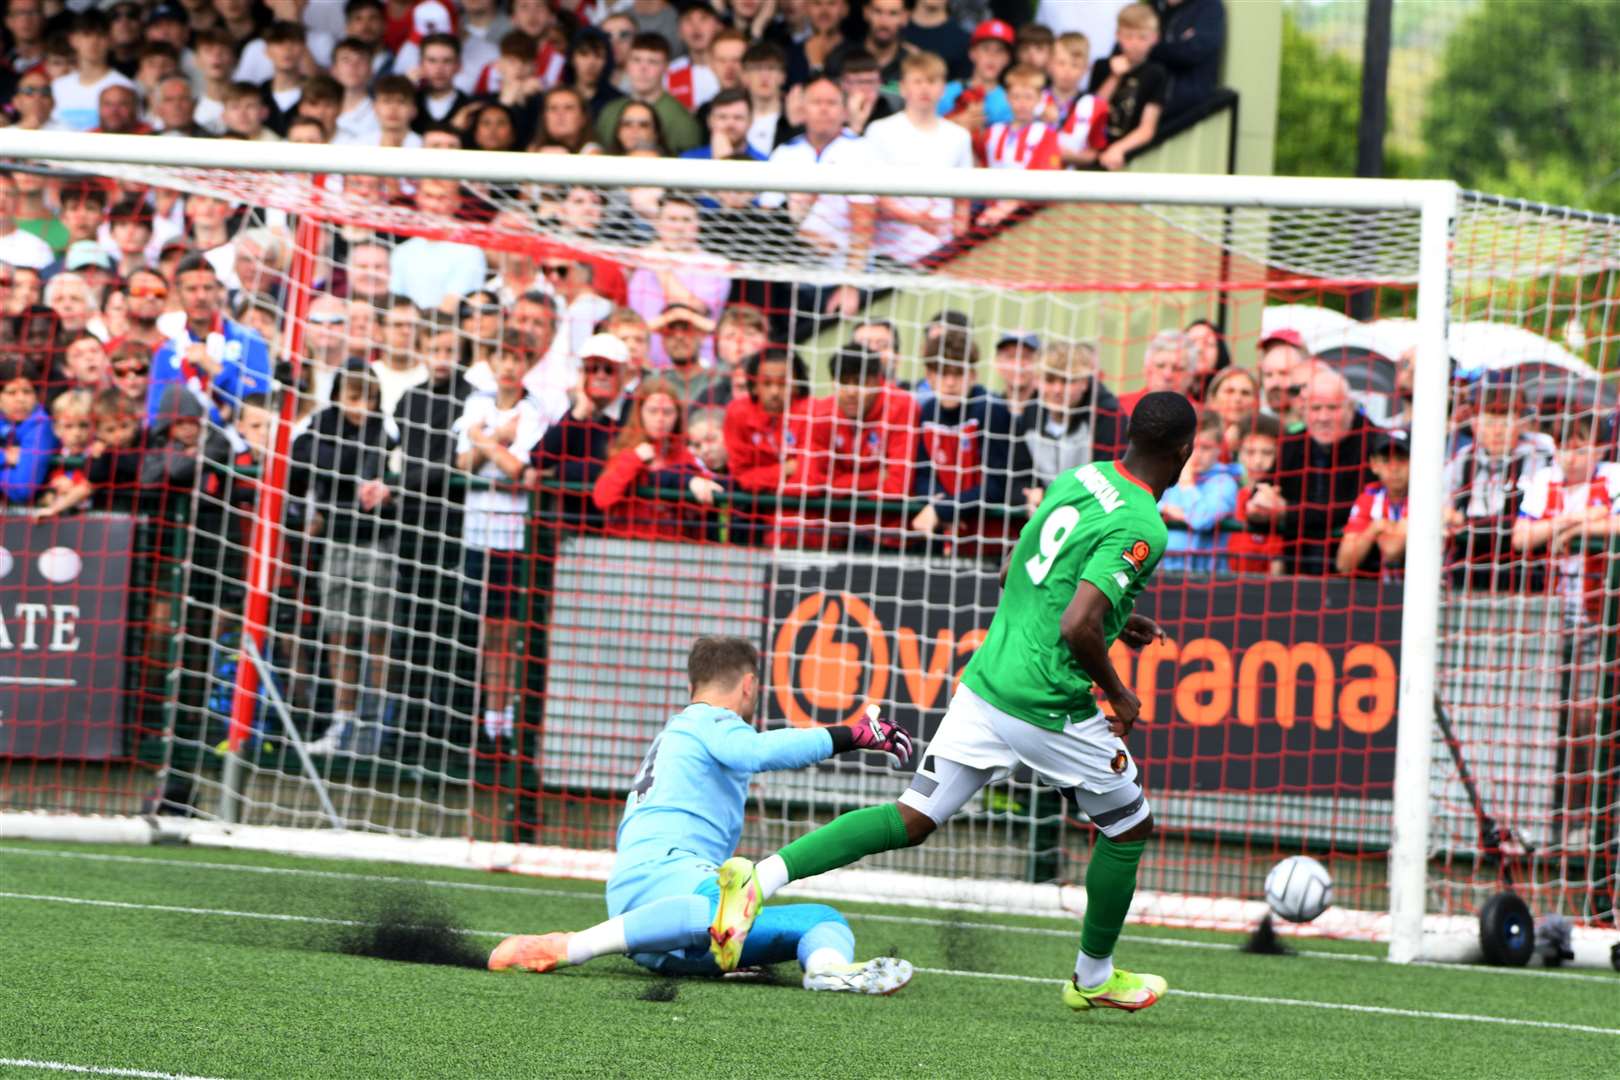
64 588
1283 685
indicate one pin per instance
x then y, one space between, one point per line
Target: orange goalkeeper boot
530 952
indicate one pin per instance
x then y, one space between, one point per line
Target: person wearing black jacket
1074 419
429 529
1321 471
575 448
1191 35
339 467
970 464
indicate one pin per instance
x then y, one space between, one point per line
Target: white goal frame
1435 202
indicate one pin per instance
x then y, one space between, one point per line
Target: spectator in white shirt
255 64
18 248
910 228
838 225
215 52
351 68
400 366
428 271
78 93
573 282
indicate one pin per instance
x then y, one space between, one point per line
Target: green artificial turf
217 995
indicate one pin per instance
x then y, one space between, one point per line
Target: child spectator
1134 87
1080 117
1073 420
764 75
689 78
113 458
25 432
78 93
495 436
1205 496
757 430
1257 551
338 465
911 228
1485 481
286 50
67 484
860 439
650 451
1033 46
968 456
130 223
131 367
1024 142
85 364
394 102
980 100
706 438
1566 503
1015 361
215 54
1374 541
245 114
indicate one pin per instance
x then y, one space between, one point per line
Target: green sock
844 840
1110 884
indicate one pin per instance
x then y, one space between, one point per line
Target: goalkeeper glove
872 732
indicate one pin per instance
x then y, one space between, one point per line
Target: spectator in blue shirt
731 113
219 360
1204 497
25 432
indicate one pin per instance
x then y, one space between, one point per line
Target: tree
1319 103
1528 102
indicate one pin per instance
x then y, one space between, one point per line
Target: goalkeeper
684 815
1028 697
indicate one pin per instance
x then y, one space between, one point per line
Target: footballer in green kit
1029 697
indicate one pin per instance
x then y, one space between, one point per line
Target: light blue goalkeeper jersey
689 793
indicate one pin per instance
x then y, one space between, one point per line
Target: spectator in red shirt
858 440
758 425
1257 551
1166 365
651 451
1374 541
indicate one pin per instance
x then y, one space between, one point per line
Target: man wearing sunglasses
582 307
147 296
575 448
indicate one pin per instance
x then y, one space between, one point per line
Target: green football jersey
1097 523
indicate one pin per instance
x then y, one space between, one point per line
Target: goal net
433 563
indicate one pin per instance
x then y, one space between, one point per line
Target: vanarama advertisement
1266 685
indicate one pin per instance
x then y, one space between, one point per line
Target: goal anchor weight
1507 929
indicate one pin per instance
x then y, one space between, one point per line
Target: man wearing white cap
575 448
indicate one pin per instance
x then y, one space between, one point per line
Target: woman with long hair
564 121
494 127
651 451
589 71
638 128
1211 359
1234 396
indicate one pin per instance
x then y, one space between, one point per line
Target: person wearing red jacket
859 440
650 451
759 427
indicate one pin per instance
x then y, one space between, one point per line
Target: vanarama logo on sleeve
1137 555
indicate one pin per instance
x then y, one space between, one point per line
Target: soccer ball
1299 889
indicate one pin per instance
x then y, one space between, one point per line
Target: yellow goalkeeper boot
531 952
734 914
1122 990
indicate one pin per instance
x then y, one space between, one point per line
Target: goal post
848 595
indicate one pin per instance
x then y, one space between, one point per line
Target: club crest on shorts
1137 555
1120 761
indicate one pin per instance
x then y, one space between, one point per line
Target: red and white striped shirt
1027 146
1082 121
693 85
548 65
1547 496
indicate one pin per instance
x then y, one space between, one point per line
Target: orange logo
1119 762
1138 555
822 650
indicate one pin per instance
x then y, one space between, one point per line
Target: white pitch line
903 920
1378 1010
94 1070
1299 1003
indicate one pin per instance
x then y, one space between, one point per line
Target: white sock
823 960
507 719
772 874
1091 972
603 939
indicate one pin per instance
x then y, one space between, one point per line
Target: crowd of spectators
442 383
